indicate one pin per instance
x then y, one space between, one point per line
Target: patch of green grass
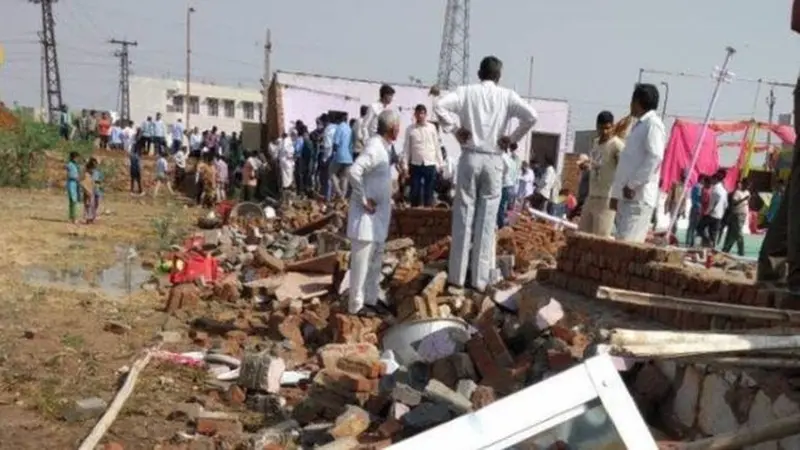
73 341
47 398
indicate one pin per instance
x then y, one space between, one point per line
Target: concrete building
210 105
302 96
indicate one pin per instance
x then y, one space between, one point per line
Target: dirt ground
53 347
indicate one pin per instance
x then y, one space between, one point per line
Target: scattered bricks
228 289
437 251
344 383
290 328
463 366
212 423
84 409
295 307
358 365
437 392
390 428
496 346
427 415
395 245
113 446
182 296
559 360
482 396
377 404
373 442
484 363
563 333
351 423
314 319
406 395
324 264
443 370
435 287
466 388
349 329
411 308
265 259
235 396
261 372
330 354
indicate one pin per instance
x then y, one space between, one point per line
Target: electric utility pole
771 106
124 77
265 81
52 73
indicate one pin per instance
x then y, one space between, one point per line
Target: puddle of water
117 281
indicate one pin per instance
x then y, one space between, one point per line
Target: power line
52 72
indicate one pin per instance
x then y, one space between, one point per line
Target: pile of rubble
277 339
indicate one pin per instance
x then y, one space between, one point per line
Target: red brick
369 368
494 343
235 395
482 358
483 396
324 264
390 428
344 382
210 424
113 446
559 360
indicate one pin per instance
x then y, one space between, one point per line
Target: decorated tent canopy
683 140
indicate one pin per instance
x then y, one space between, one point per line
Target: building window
229 107
177 104
194 105
260 109
213 107
249 110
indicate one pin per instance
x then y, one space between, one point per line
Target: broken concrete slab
261 372
84 409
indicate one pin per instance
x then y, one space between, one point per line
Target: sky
588 52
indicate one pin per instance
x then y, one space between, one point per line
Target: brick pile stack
530 240
352 396
425 226
587 262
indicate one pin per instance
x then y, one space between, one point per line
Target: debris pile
276 339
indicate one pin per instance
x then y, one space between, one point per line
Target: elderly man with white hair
483 110
370 212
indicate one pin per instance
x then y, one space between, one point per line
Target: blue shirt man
148 128
343 143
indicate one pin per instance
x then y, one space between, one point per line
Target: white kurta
286 161
370 179
484 109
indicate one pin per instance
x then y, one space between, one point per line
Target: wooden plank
696 306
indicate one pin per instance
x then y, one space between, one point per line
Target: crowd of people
356 159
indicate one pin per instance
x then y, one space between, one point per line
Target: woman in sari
73 190
87 191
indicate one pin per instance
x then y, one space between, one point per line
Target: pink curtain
678 153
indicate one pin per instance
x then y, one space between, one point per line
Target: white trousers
633 220
366 262
477 199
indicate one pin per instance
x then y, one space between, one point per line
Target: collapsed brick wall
587 262
424 225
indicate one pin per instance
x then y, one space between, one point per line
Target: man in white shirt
545 188
370 122
634 193
195 142
359 135
370 213
510 180
710 225
739 209
483 111
526 182
596 216
180 158
178 130
422 157
128 136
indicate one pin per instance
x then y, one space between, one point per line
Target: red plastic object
196 266
224 208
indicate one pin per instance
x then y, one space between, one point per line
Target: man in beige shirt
597 217
422 157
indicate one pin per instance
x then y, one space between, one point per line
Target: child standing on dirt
136 172
73 190
87 190
97 179
162 169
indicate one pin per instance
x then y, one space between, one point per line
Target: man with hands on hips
369 214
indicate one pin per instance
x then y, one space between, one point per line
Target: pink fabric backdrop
678 153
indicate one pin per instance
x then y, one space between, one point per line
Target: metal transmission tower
52 73
454 54
124 77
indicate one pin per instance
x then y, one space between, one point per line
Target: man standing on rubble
370 212
484 110
782 241
370 120
635 190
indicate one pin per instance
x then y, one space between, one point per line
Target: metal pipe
187 102
666 99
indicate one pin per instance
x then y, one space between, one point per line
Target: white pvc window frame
539 408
